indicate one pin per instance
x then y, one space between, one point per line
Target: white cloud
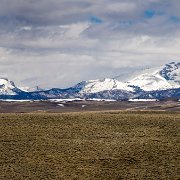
122 7
74 30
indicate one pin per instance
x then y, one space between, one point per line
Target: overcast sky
57 43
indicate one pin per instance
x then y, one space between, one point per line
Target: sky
58 43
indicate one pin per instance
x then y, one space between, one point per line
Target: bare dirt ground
140 145
78 106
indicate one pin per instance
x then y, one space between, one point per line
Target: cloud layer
58 43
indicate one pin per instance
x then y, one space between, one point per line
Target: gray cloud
56 43
55 12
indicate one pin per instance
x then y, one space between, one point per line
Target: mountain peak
170 71
172 62
6 82
165 77
7 87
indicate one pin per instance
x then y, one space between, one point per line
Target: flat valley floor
85 106
90 145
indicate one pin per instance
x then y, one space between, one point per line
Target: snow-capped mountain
8 87
160 83
166 77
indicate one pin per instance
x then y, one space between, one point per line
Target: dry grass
104 145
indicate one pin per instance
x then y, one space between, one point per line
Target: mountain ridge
160 83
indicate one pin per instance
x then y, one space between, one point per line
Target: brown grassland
90 145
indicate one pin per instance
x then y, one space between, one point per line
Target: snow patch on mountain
94 86
143 100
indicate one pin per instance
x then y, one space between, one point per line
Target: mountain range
156 83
